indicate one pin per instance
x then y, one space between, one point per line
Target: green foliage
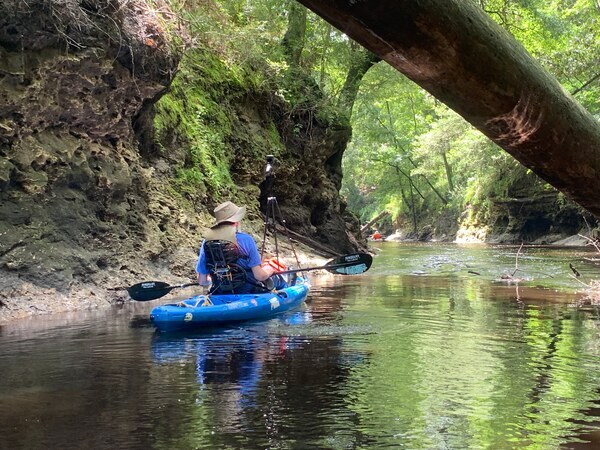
193 111
390 112
409 154
419 160
253 40
234 53
200 113
562 34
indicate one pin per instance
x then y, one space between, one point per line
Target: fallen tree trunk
460 55
379 216
318 247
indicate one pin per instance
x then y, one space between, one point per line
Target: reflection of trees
463 364
257 387
327 295
588 433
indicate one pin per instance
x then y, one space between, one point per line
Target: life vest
228 277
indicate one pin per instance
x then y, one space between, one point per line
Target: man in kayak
242 255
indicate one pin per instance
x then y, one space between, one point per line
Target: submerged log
460 55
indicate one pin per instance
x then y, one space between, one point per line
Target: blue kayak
210 310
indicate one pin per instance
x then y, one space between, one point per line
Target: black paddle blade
149 290
353 264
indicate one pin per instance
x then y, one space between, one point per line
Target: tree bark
361 60
456 52
448 170
293 41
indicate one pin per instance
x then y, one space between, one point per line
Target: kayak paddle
353 264
151 290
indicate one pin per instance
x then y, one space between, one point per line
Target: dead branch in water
517 260
574 270
592 241
511 277
593 287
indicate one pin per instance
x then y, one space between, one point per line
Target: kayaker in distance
243 254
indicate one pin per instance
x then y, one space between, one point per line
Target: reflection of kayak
203 310
168 348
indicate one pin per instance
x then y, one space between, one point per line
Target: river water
430 349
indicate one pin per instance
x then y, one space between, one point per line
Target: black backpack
221 261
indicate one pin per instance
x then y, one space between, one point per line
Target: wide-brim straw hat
228 212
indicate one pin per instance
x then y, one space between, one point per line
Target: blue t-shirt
250 257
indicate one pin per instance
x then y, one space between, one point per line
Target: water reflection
445 359
231 359
490 365
259 386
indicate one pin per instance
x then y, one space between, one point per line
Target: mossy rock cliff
101 186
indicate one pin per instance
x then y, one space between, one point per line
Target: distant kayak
212 310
